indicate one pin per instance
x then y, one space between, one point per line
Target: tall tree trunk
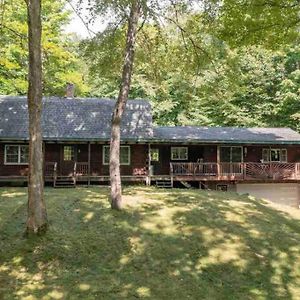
114 159
37 215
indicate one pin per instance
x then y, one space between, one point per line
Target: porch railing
50 168
246 171
79 169
82 169
275 171
200 169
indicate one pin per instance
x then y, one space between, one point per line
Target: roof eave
195 141
153 140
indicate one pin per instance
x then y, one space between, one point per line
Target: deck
248 171
190 171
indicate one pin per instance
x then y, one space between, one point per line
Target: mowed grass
166 244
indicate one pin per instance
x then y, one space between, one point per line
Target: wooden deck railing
194 169
243 171
275 171
210 170
50 168
79 169
82 169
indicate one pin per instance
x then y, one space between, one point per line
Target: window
274 155
179 153
124 155
265 155
16 154
69 153
222 187
231 154
154 154
24 154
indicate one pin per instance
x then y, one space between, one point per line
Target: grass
166 244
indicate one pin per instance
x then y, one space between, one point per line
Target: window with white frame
179 153
124 155
69 153
154 154
16 154
274 155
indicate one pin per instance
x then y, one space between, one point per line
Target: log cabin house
264 162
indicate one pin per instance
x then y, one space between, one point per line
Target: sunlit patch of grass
165 244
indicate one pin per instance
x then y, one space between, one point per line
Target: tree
197 78
257 22
60 59
199 42
114 157
37 215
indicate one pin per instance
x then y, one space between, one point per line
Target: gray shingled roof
75 119
89 119
227 135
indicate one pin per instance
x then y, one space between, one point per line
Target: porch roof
230 135
75 119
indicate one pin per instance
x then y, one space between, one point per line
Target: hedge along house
262 161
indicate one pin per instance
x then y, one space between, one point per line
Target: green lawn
166 244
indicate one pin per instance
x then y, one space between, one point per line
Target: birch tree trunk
114 158
37 215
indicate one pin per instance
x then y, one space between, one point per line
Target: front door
68 159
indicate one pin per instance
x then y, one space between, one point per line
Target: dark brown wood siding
11 170
139 156
254 153
52 153
195 152
138 164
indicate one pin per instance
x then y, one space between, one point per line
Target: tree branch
90 32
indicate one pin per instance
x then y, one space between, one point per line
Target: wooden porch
81 173
190 171
246 171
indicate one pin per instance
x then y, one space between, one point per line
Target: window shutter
266 155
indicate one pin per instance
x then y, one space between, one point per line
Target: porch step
186 184
64 181
166 183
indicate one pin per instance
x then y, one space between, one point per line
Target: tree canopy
60 59
198 62
194 77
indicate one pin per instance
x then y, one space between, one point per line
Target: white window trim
286 156
187 153
275 149
155 149
122 164
242 152
280 151
73 147
19 154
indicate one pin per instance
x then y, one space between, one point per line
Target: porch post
218 161
44 162
270 164
89 163
148 180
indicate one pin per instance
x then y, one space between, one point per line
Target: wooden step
64 185
64 181
164 183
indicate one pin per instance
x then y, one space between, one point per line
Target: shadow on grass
170 245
